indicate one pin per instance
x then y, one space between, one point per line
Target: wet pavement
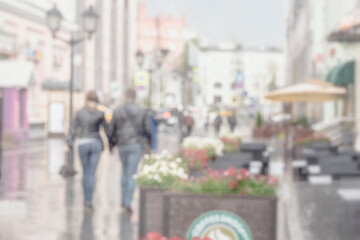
37 203
329 211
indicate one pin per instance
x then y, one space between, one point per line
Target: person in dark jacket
232 121
217 124
88 121
129 125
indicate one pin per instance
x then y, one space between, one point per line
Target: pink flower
233 184
272 181
154 236
239 177
231 171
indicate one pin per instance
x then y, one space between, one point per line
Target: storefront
348 73
13 85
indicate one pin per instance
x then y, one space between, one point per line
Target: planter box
259 213
237 160
151 210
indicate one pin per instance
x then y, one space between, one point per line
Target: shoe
128 210
89 206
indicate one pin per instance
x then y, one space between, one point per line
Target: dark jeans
130 156
189 130
89 155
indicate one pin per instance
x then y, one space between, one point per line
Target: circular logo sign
219 225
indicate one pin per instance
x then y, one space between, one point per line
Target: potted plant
231 142
233 200
198 151
158 173
260 130
301 143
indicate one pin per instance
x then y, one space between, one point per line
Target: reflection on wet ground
37 203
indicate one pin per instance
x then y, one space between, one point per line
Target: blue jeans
130 156
89 156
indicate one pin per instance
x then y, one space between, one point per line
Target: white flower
157 177
173 165
178 160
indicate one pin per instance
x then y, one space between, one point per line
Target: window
217 99
217 85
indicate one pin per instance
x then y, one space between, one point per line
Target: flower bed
158 173
171 203
301 143
161 170
229 182
231 142
198 151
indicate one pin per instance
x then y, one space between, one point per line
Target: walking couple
129 124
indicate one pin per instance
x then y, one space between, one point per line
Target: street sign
141 78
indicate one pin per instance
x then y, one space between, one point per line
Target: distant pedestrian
129 125
88 120
217 124
232 122
189 123
207 123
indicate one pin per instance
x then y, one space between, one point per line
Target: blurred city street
227 120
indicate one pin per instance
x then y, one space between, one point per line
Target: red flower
175 238
196 238
233 184
154 236
207 238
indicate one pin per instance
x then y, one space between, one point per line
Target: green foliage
165 183
259 120
231 148
249 186
303 121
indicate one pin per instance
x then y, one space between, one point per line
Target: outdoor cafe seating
323 159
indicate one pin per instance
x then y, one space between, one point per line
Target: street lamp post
159 57
54 19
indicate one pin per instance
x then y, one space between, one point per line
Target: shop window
217 85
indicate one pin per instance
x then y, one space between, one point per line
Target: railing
337 130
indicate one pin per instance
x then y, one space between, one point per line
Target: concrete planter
180 210
151 210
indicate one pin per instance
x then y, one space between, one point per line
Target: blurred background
271 64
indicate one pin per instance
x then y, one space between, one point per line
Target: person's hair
130 94
92 96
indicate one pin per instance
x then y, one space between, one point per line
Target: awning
311 91
52 85
16 74
342 75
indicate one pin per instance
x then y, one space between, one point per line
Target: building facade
230 76
40 105
310 54
161 33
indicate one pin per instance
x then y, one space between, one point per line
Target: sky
252 23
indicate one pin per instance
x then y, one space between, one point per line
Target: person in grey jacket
130 124
86 126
